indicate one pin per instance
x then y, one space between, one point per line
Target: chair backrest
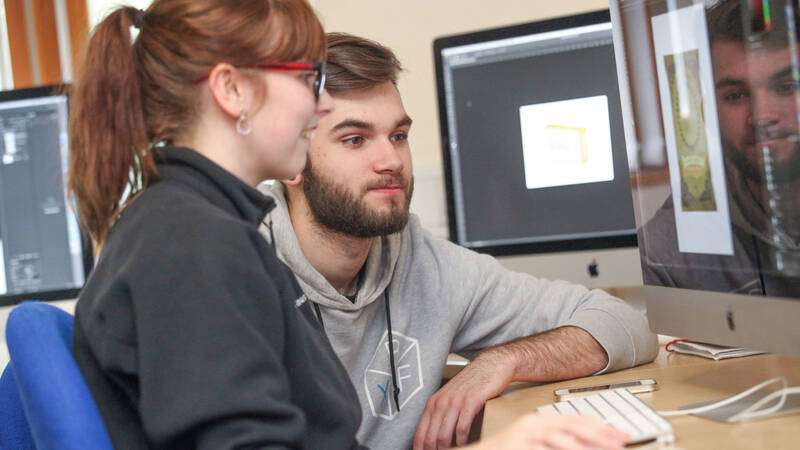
60 410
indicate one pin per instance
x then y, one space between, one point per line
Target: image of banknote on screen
697 190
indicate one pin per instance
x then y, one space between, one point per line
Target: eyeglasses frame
318 67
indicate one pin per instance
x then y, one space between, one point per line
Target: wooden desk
682 380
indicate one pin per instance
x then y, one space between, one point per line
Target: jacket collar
219 186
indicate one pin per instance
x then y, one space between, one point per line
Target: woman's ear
296 180
231 91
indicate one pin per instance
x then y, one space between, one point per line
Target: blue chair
59 410
16 434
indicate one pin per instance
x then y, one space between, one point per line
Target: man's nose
763 112
387 159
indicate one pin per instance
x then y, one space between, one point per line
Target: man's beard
341 211
781 172
779 199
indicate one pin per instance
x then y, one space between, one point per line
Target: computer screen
42 253
714 112
532 137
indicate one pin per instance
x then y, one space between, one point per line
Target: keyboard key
626 410
565 408
585 409
547 408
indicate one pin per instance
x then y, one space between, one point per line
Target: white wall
6 75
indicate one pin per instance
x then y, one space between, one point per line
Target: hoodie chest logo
378 375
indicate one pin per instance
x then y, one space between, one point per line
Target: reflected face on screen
358 179
757 105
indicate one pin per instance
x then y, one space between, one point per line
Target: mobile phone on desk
634 387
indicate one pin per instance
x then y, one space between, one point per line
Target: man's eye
355 140
734 96
789 87
399 137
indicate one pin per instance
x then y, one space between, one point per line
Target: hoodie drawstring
319 314
395 390
271 235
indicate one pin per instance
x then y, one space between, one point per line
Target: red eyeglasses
315 76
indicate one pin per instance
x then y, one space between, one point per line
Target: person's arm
592 332
566 352
505 305
484 304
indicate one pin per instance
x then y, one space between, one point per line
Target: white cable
726 401
752 412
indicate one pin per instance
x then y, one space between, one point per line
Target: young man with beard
371 272
758 117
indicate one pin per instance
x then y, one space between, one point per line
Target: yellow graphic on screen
566 143
697 191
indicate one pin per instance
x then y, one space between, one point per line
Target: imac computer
532 138
713 95
42 253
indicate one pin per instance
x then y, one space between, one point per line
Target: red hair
129 96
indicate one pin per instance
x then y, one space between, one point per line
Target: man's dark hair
356 63
731 20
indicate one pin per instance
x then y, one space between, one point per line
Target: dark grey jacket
192 334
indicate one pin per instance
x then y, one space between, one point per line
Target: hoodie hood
378 269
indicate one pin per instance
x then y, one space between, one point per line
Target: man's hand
557 432
566 352
455 405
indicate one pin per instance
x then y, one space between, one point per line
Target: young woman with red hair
190 332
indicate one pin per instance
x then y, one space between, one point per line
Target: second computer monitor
714 90
42 253
532 137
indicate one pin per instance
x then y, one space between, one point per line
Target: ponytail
109 154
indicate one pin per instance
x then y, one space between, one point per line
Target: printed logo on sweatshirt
378 375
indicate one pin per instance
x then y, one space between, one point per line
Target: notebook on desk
622 410
710 351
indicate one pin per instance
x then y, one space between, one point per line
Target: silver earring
242 125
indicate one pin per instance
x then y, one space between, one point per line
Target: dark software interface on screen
536 142
40 242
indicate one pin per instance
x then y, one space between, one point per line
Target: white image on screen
566 142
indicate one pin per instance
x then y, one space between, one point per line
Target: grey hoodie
443 298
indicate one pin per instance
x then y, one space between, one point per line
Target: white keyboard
622 410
